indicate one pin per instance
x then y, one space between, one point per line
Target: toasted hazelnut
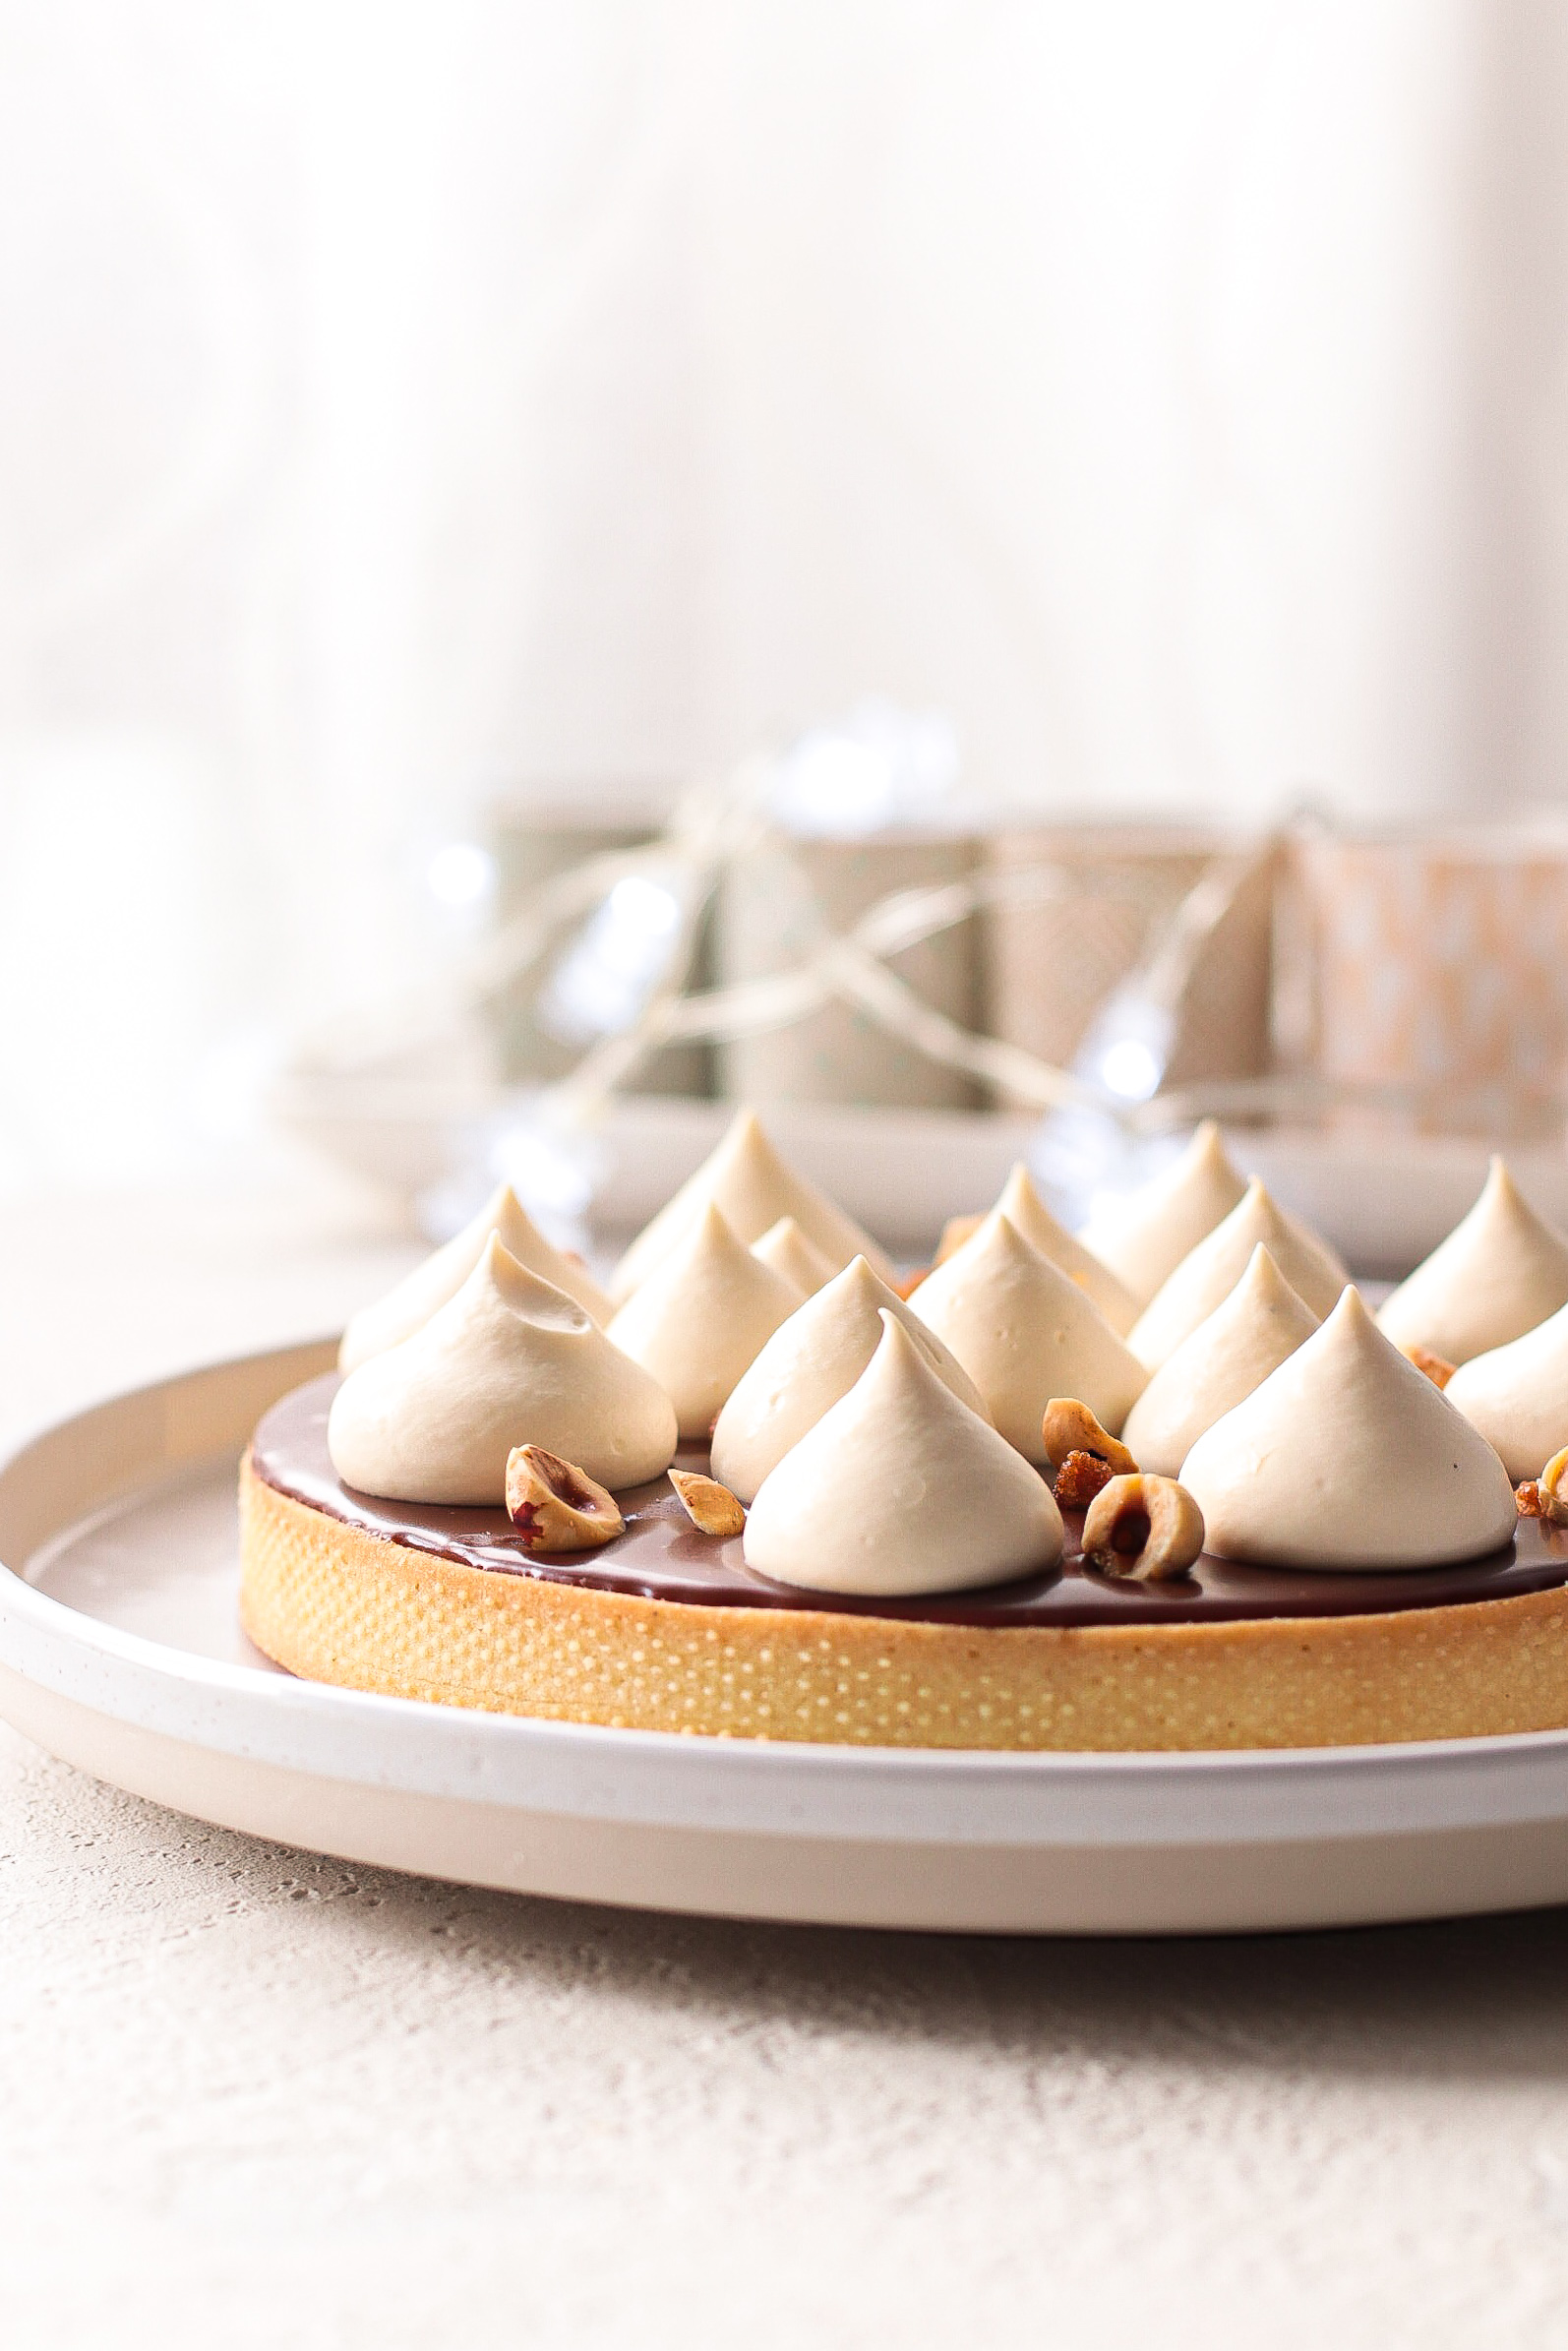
711 1508
1553 1486
1528 1498
1080 1477
556 1506
1437 1369
955 1232
907 1284
1143 1527
1069 1427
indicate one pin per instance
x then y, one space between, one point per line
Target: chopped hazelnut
1080 1477
1143 1527
711 1508
1437 1369
555 1506
1069 1427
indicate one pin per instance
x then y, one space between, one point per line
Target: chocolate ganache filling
661 1556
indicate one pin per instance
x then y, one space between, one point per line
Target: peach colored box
1436 959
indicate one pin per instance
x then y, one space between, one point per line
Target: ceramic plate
120 1649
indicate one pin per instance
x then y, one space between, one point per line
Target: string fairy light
610 943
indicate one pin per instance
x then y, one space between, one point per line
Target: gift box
1438 964
1103 902
776 902
532 841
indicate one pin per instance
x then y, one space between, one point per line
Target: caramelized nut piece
1528 1498
556 1506
1080 1477
1437 1369
955 1232
1143 1527
1552 1488
711 1508
1069 1427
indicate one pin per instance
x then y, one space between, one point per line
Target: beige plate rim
1055 1843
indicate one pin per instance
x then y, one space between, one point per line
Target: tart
668 1629
906 1577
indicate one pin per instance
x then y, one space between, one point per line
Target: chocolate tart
666 1629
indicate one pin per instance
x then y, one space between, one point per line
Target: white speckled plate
120 1649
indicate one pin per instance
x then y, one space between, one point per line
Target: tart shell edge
333 1603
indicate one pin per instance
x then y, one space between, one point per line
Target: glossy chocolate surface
661 1556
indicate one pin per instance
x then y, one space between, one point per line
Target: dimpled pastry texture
700 1318
746 1178
423 1293
1020 1203
337 1604
807 1365
1501 1271
509 1361
1517 1396
1144 1238
1208 1274
1348 1457
899 1489
1246 1337
1024 1332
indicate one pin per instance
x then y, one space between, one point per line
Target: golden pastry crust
337 1604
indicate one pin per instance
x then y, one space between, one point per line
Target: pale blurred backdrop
402 405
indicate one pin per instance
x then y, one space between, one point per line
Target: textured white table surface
252 2097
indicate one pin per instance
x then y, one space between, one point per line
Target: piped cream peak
1143 1238
702 1316
509 1361
1517 1396
1025 1332
807 1365
785 1247
1020 1203
1246 1337
1501 1271
746 1178
1349 1458
422 1292
900 1490
1208 1274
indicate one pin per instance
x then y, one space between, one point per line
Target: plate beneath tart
120 1650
